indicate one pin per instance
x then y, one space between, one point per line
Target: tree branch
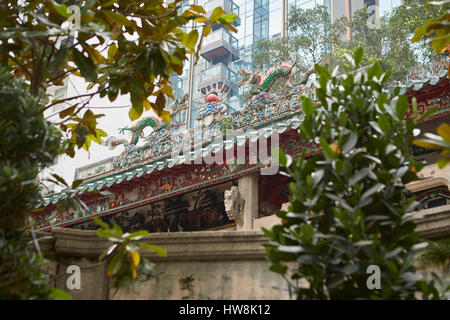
74 97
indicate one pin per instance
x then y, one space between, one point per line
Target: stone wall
199 265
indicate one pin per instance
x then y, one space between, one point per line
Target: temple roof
277 114
280 123
425 87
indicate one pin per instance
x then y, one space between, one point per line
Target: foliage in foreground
27 144
437 253
438 33
348 202
102 49
124 260
310 37
119 47
21 268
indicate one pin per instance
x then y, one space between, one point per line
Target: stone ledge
426 183
217 245
433 223
266 222
212 245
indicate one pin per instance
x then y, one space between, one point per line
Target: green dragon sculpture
263 82
157 124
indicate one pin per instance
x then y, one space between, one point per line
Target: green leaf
62 10
326 148
190 39
106 233
357 176
414 106
132 247
137 235
112 50
307 105
198 9
350 143
117 229
117 18
371 191
443 162
59 294
87 68
159 251
107 252
428 113
115 264
228 17
358 55
279 268
374 71
401 106
441 39
229 27
101 223
59 58
317 176
280 156
343 119
137 96
322 72
444 131
67 112
89 5
135 114
307 130
216 14
419 33
60 179
383 123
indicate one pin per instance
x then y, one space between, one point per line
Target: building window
261 20
60 94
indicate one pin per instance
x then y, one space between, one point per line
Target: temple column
248 188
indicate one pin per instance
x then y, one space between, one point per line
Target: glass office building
224 53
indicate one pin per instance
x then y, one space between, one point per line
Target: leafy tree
27 143
310 38
348 202
389 43
145 43
307 41
437 31
438 253
119 47
441 141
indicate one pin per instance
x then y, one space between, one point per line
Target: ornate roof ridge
292 120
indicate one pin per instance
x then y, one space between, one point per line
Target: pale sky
110 123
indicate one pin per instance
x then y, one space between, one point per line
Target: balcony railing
218 35
218 40
218 71
227 5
